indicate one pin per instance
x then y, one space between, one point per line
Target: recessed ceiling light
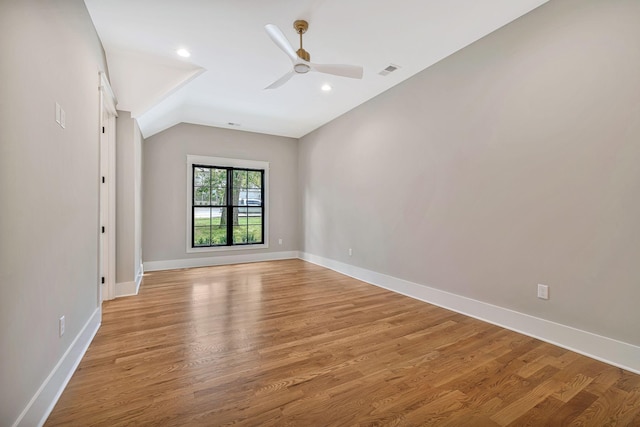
326 87
184 53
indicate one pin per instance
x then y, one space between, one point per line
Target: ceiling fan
301 58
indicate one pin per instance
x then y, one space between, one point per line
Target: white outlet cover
58 113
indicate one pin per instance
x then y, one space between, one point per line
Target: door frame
107 191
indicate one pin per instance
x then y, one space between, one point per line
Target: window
227 204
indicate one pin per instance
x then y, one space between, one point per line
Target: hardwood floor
291 343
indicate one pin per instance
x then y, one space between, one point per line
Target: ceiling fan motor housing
303 54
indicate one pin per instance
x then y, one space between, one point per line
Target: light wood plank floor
291 343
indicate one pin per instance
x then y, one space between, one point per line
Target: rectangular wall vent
390 69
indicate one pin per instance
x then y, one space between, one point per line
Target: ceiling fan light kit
301 68
301 58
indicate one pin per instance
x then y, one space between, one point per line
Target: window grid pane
215 197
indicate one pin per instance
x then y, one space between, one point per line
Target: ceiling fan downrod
301 26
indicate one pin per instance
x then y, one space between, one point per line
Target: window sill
191 250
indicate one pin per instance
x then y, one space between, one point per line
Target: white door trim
107 210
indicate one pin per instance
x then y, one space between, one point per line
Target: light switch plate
543 291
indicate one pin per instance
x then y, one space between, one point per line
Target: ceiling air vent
390 69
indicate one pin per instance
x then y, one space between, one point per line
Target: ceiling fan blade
351 71
282 80
279 39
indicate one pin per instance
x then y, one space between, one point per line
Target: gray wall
48 189
128 198
165 185
511 163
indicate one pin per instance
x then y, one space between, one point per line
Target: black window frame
229 206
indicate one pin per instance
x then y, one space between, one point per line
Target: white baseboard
42 403
217 260
127 289
613 352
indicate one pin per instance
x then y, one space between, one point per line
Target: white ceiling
233 59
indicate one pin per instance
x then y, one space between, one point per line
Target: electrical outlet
61 326
543 291
279 241
350 252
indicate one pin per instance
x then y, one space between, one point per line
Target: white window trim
234 163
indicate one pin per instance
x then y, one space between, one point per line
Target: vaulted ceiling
233 59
